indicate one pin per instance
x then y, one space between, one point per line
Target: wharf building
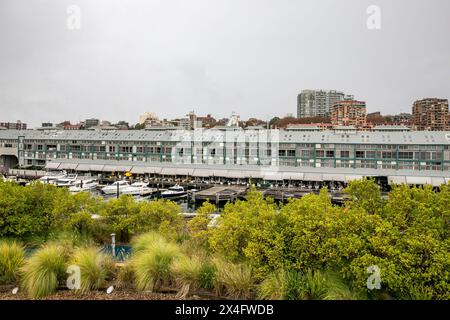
392 156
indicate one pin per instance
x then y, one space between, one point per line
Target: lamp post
113 244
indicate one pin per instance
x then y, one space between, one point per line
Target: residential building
88 123
349 113
313 103
431 114
18 125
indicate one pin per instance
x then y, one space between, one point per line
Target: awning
351 177
52 165
184 172
396 180
84 167
333 177
273 176
255 174
68 166
239 174
97 167
116 168
143 170
169 171
437 181
418 180
313 177
204 173
293 176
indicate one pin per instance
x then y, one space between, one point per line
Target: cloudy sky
215 56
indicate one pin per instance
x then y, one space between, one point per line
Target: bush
43 271
12 256
152 263
95 267
234 280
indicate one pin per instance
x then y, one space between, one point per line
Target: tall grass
306 285
152 260
185 272
273 287
233 280
95 268
125 275
43 271
146 241
12 256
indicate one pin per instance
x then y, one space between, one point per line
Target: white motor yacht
112 189
51 177
84 185
139 188
174 192
67 181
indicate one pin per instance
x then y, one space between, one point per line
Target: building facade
19 125
431 114
349 113
89 123
317 103
265 154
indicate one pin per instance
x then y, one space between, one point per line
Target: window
330 154
320 153
387 155
282 153
370 154
345 154
406 155
291 153
360 154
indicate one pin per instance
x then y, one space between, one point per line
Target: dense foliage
304 249
39 210
406 236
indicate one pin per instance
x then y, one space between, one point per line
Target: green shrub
234 280
44 270
12 256
95 267
151 265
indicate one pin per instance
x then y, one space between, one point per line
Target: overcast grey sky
215 56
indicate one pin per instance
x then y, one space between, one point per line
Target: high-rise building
431 114
349 113
91 123
317 103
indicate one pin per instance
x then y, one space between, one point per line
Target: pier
217 194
